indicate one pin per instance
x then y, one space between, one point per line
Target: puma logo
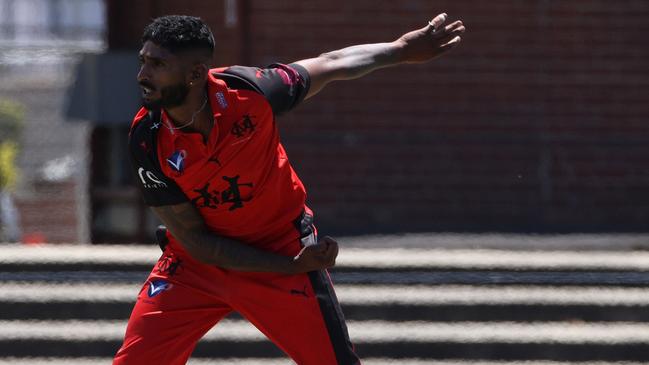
300 292
215 160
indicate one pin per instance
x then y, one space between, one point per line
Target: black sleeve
157 189
284 86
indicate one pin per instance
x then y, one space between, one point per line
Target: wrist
398 51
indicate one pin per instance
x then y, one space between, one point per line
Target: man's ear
199 72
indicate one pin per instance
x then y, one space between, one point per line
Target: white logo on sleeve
149 180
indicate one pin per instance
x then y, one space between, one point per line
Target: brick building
535 124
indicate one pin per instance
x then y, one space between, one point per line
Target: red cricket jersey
240 180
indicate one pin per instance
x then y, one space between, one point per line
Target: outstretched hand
317 257
431 41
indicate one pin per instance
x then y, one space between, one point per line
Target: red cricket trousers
182 299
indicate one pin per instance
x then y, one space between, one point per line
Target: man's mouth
146 90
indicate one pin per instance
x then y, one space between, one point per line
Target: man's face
162 77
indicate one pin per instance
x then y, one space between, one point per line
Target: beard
170 96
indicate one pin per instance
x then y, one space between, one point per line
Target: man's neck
197 107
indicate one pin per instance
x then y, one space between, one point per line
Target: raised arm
185 223
421 45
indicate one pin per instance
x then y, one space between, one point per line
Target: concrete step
411 306
360 294
378 277
361 302
76 263
485 341
361 331
58 255
394 312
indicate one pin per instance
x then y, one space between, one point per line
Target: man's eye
158 63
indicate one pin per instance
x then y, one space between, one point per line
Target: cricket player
206 153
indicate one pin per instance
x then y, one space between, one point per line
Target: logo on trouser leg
157 286
300 292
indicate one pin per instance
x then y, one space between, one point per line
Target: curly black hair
178 33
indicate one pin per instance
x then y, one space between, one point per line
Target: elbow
327 55
330 56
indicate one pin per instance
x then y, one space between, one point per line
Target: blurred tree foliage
12 115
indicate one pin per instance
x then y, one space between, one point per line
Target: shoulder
141 115
142 138
259 79
144 124
284 86
238 77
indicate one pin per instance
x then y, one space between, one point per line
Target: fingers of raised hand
437 22
450 44
457 28
454 29
449 36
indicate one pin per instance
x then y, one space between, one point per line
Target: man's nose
143 74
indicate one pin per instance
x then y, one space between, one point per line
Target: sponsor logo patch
220 98
149 180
